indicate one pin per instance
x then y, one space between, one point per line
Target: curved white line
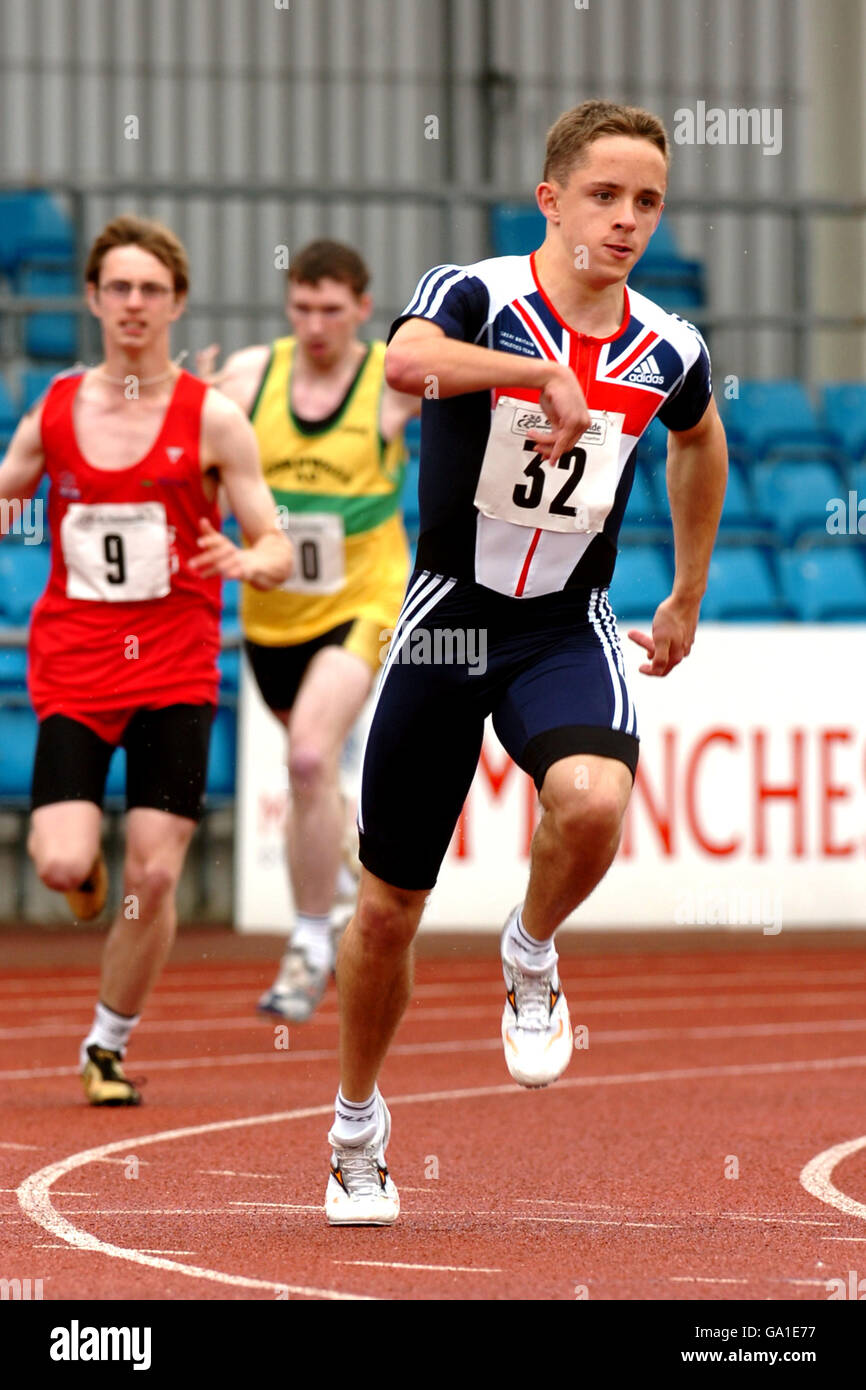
815 1177
34 1195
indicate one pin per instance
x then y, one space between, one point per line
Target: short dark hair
575 130
329 260
130 230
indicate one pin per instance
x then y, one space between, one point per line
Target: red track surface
613 1181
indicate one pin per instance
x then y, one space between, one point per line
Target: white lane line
599 1221
817 1174
34 1193
397 1264
856 1238
228 1173
702 1279
7 1144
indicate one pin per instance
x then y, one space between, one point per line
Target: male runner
518 539
124 641
330 434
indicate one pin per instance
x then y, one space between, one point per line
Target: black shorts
550 672
280 670
166 760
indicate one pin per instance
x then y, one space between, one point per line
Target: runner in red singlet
125 639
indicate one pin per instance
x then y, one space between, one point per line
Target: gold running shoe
88 899
104 1081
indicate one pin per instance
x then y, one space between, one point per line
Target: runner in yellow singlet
330 434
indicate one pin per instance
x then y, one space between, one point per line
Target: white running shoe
536 1028
360 1191
297 991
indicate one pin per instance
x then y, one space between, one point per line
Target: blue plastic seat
50 335
13 667
223 755
35 381
776 417
34 230
517 229
742 586
412 436
739 509
844 415
643 507
18 732
409 498
795 496
229 664
9 412
115 786
642 578
23 576
826 584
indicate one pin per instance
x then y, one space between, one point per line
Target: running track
706 1057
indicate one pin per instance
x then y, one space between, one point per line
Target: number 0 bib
318 540
575 494
116 552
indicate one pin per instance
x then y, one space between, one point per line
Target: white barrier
749 807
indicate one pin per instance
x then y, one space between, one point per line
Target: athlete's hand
206 360
673 634
564 404
218 555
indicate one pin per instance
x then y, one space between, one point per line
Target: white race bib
116 552
516 484
318 540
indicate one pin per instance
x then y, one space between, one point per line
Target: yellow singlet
339 476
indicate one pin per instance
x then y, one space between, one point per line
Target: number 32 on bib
573 494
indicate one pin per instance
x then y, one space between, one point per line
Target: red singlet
124 623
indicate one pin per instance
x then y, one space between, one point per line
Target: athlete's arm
229 445
422 360
24 462
396 411
697 473
241 375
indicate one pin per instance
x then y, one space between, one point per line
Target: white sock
524 950
312 935
355 1122
109 1030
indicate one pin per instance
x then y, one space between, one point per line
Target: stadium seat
409 498
13 667
516 228
793 496
412 436
844 415
115 786
50 335
742 586
229 664
34 230
9 413
776 417
18 730
223 755
23 576
644 507
34 383
642 579
826 584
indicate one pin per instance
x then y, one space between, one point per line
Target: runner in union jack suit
539 375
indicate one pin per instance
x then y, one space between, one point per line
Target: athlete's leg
331 696
374 979
64 841
143 931
584 799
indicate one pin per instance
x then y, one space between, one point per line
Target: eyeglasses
122 289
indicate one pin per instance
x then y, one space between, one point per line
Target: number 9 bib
116 552
575 494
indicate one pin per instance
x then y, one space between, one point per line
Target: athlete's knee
310 765
387 920
151 881
583 816
61 870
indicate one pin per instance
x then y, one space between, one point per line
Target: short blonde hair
575 130
130 230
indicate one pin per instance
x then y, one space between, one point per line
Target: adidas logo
174 453
647 373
